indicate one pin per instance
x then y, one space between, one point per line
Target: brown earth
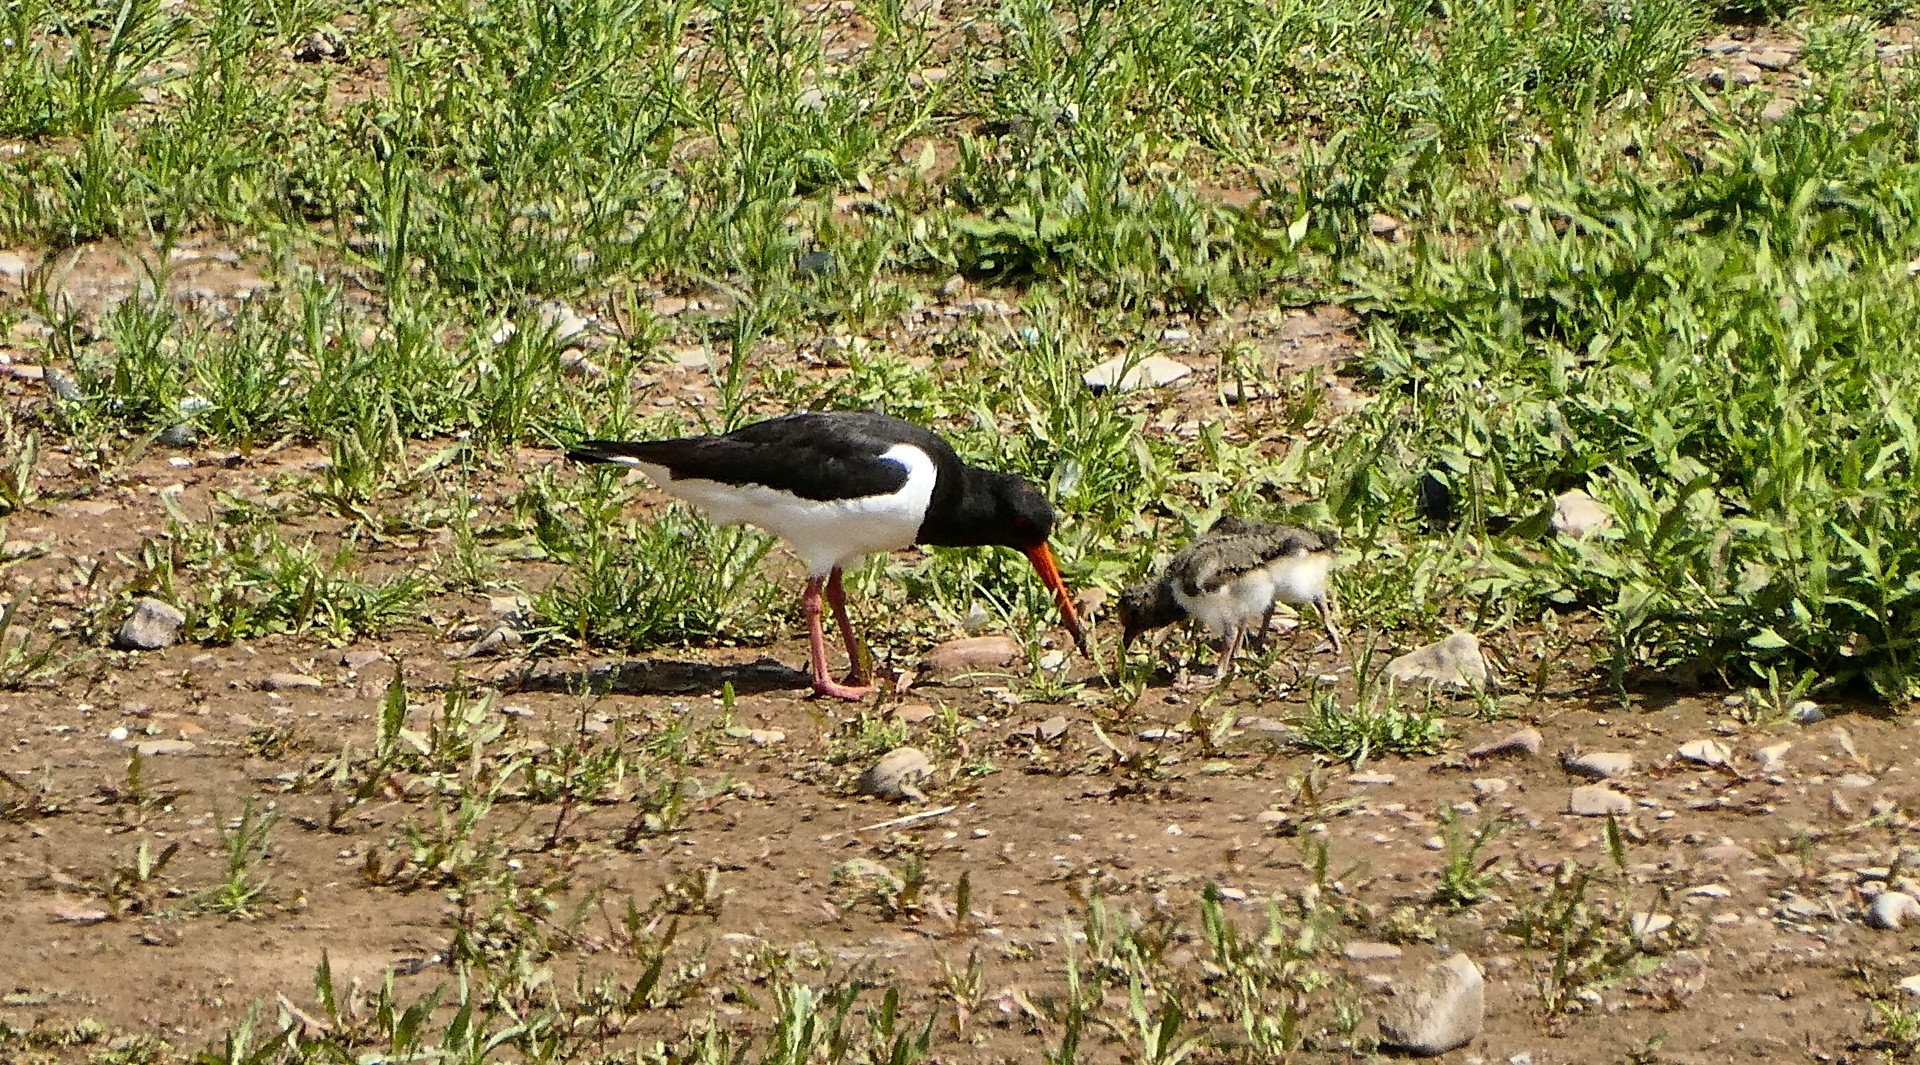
1765 873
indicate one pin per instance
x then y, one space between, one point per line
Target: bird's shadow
658 676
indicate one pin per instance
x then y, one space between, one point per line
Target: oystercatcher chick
838 487
1230 579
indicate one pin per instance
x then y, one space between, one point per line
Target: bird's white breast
824 533
1231 606
1300 578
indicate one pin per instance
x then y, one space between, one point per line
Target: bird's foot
827 686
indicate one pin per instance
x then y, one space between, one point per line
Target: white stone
1706 752
1598 800
1578 514
1891 909
1441 1009
1152 371
1601 765
152 626
1454 661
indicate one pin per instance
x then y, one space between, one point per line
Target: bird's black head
1145 607
995 510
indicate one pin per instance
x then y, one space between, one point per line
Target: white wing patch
824 534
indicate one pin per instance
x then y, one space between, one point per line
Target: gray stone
1773 59
895 776
1455 661
1706 752
358 660
1152 371
159 748
14 268
1578 514
179 434
1485 788
1647 924
62 385
1527 741
288 682
1598 800
498 640
1773 758
152 626
1441 1009
1891 909
1600 765
1364 951
1806 712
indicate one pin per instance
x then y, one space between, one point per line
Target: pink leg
823 682
838 597
1230 647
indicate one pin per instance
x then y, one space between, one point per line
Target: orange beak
1042 559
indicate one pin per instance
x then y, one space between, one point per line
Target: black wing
822 457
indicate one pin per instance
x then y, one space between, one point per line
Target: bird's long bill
1042 559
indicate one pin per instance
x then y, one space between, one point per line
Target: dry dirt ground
1765 865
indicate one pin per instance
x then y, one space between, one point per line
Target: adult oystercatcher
1230 579
839 486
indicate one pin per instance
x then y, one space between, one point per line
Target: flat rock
152 626
14 268
1911 985
1727 854
75 914
762 737
1598 800
914 713
1441 1009
971 653
895 776
1364 951
1052 728
499 640
289 682
1371 778
1705 752
1454 661
1891 909
1579 515
358 660
1488 787
1647 924
1124 373
161 748
1600 765
1855 781
1773 758
1526 742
